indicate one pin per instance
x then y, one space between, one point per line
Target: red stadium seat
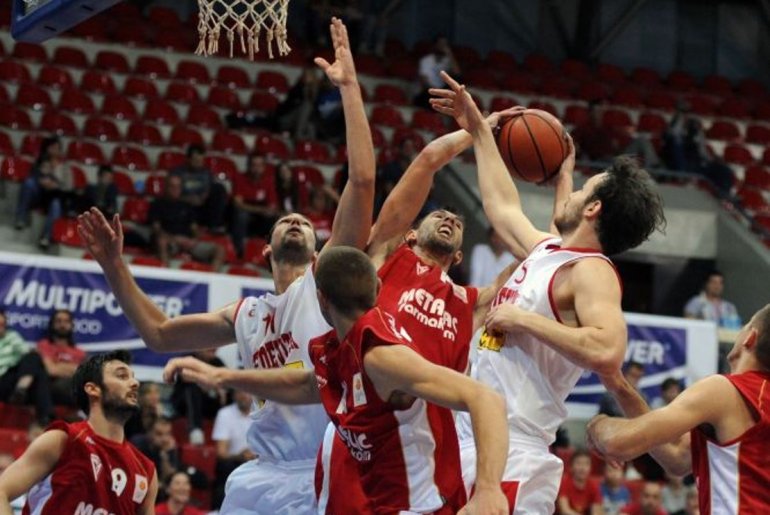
481 78
734 108
168 159
537 63
467 55
196 266
221 96
4 97
244 270
311 151
501 103
308 175
140 87
34 97
388 116
252 251
263 101
201 115
498 60
645 77
221 167
31 144
593 90
274 82
92 29
192 71
652 123
405 69
701 104
233 77
429 121
230 256
544 106
753 200
136 210
119 107
203 458
65 231
30 52
182 92
15 118
131 34
231 142
125 186
718 85
555 86
53 77
155 185
153 67
751 88
759 134
661 100
390 94
147 261
144 134
13 441
58 123
79 181
165 18
575 69
75 101
627 96
70 56
616 118
723 130
98 82
370 65
111 61
175 41
610 73
520 83
6 145
757 177
102 129
160 111
132 158
85 152
13 71
680 81
378 138
404 133
15 169
738 154
575 114
182 136
272 147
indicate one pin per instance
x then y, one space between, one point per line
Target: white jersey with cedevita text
273 331
534 378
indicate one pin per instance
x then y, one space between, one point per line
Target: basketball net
244 22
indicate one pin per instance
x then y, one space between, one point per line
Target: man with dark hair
579 493
633 371
560 311
717 429
103 194
87 466
60 355
670 389
709 304
272 330
159 444
375 386
207 196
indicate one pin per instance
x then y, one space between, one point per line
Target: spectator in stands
17 505
674 495
633 373
649 501
230 428
685 148
320 211
48 186
255 201
709 304
297 114
430 67
286 189
23 377
489 259
60 355
207 196
150 409
103 194
692 508
175 230
159 445
178 488
331 118
389 173
669 390
197 404
578 493
615 494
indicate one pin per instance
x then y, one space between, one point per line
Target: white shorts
531 479
262 487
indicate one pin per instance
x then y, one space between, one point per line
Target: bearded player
273 330
560 311
87 466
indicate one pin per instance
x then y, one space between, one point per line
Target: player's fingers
442 93
444 110
193 376
445 102
322 63
450 81
117 226
98 220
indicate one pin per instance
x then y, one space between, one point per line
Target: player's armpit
37 462
487 294
148 506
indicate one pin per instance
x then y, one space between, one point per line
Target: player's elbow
362 177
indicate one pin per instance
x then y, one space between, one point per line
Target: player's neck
342 323
286 273
106 428
583 237
432 259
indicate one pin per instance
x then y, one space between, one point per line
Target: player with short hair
87 466
717 429
273 330
374 385
560 311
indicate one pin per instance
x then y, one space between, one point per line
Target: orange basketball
533 145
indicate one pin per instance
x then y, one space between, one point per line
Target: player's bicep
36 463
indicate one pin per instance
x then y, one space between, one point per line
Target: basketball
533 145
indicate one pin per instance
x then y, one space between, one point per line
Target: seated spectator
23 377
489 259
615 493
633 372
230 429
430 67
178 489
649 502
103 194
48 186
674 495
709 304
190 400
17 505
298 113
159 445
669 390
207 196
286 190
389 173
320 211
175 230
578 493
151 408
255 201
60 355
331 117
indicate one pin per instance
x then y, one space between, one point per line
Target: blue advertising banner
254 292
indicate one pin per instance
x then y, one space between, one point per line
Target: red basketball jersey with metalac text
734 477
392 444
93 476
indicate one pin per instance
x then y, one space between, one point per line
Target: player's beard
118 409
567 222
437 245
293 252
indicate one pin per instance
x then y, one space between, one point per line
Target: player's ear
410 237
592 209
750 342
92 389
458 258
267 252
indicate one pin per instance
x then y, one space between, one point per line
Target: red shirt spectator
256 187
650 502
579 494
320 211
178 490
59 353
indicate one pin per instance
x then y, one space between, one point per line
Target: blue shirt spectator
709 304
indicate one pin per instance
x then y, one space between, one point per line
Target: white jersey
534 379
273 331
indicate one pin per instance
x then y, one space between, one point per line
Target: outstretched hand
103 239
343 71
192 370
457 103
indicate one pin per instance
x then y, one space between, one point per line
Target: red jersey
392 444
93 475
580 499
733 477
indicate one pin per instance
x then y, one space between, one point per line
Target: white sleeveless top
273 331
534 379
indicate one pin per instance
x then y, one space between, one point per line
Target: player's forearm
490 431
282 385
5 505
564 187
497 188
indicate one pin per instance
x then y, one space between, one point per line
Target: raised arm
284 385
353 219
104 240
36 463
564 185
399 369
499 194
